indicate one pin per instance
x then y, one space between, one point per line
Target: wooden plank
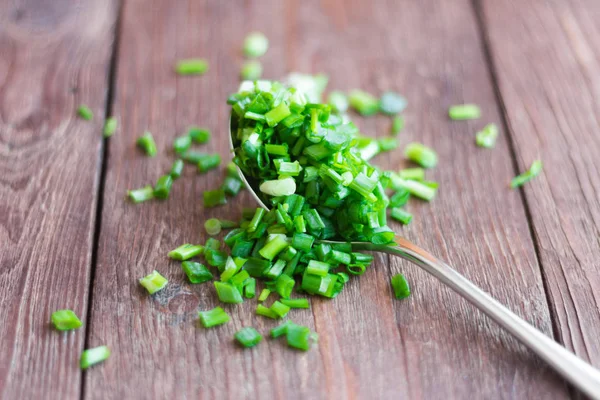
551 89
54 57
370 346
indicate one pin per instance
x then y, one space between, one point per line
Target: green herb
146 143
140 195
186 251
400 215
255 45
338 102
400 286
214 317
85 113
392 103
296 303
212 226
176 169
251 70
487 136
192 66
534 170
363 102
397 125
163 187
154 282
65 320
422 155
464 112
196 272
94 356
199 135
214 198
110 126
248 337
182 144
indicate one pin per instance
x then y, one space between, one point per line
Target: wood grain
551 89
54 57
431 346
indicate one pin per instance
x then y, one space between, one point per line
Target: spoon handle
575 370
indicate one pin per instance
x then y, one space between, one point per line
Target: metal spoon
575 370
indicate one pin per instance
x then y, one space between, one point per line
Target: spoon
575 370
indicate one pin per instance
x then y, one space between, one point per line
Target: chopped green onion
176 169
251 70
196 272
273 247
94 356
110 126
264 294
192 157
280 309
317 268
154 282
387 143
231 268
422 155
266 312
356 269
338 102
296 303
277 114
415 188
182 144
414 174
140 195
250 288
232 186
400 215
163 187
302 241
186 251
208 162
255 44
298 337
228 293
85 113
214 198
212 244
487 136
65 320
278 187
248 337
397 125
281 329
399 198
284 286
258 216
214 317
212 226
199 135
464 112
400 286
299 224
192 66
363 102
392 103
256 267
146 143
534 170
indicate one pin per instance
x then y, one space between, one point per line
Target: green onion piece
251 70
339 257
266 312
278 187
140 195
281 329
192 66
392 103
231 268
302 241
212 226
400 286
273 247
110 126
208 162
256 267
186 251
227 224
214 198
212 244
228 293
338 102
199 135
255 44
182 144
298 337
154 282
214 317
289 168
400 215
94 356
248 337
414 174
317 268
216 258
534 170
299 224
146 143
280 309
415 188
363 102
196 272
264 294
387 143
422 155
176 169
85 113
296 303
65 320
250 288
356 269
163 187
397 125
464 112
232 186
399 198
487 136
192 157
256 219
284 286
277 114
275 270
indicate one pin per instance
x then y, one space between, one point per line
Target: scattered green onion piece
280 309
110 126
232 186
212 244
228 293
397 125
256 267
208 162
214 198
277 114
163 187
227 224
65 320
146 143
248 337
192 66
487 136
266 312
400 286
338 102
284 286
422 155
85 113
94 356
186 251
387 143
400 215
192 157
464 112
281 329
214 317
140 195
199 135
250 288
392 103
363 102
255 44
154 282
296 303
298 337
176 169
264 294
399 198
414 174
534 170
251 70
182 144
196 272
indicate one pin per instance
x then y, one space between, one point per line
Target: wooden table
68 238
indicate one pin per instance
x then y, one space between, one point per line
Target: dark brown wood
54 57
434 345
550 88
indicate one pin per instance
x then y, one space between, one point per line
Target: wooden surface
533 68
